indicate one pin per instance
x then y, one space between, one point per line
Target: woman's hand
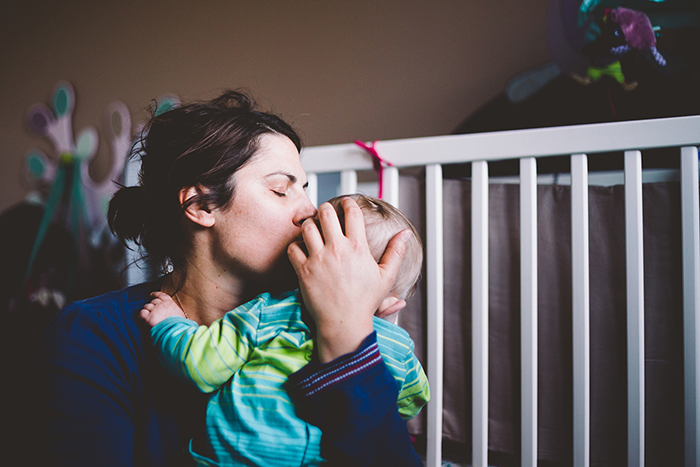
341 283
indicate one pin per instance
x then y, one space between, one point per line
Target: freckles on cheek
261 250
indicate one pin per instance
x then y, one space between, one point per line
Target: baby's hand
161 307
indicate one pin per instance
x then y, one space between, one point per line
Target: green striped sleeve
397 350
415 392
207 356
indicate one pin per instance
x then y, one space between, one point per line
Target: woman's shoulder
118 300
111 310
96 338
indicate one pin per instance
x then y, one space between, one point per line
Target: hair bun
127 214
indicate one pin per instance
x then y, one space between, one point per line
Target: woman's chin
281 279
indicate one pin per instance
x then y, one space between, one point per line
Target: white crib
580 143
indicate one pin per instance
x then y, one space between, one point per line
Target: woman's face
265 215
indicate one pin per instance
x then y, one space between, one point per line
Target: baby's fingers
146 314
160 296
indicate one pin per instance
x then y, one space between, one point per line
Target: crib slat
581 309
528 309
435 271
690 206
312 188
348 182
635 308
391 196
391 186
480 312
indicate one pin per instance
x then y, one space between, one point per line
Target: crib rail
578 142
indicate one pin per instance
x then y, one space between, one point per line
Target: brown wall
339 71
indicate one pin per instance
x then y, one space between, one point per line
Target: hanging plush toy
42 173
623 31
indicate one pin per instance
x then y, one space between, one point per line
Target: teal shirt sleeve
207 356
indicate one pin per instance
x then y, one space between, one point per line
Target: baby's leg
161 307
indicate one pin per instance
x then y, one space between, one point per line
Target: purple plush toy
623 31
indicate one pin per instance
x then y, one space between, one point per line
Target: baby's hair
382 222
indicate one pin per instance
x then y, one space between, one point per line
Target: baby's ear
390 305
195 212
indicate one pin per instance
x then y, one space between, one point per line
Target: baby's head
382 222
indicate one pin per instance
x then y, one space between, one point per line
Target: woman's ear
200 215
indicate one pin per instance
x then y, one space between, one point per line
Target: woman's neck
206 297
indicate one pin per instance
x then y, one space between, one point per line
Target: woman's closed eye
279 193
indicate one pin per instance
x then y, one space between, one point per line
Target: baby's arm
204 356
161 307
414 393
397 349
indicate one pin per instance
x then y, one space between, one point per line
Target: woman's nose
305 211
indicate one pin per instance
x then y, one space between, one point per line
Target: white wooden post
391 186
435 281
480 313
312 188
580 278
348 182
635 308
528 309
690 207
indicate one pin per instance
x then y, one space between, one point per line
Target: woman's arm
99 395
353 401
350 394
82 392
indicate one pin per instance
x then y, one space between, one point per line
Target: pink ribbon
377 162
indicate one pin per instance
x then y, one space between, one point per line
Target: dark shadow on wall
670 91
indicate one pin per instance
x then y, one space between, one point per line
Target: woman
221 203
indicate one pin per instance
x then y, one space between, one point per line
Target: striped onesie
244 360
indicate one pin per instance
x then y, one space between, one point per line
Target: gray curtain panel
663 320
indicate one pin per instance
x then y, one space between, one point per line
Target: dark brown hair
201 144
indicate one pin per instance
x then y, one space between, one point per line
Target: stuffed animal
623 31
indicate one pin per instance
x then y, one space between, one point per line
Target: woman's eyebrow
292 178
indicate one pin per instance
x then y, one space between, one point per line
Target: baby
245 358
